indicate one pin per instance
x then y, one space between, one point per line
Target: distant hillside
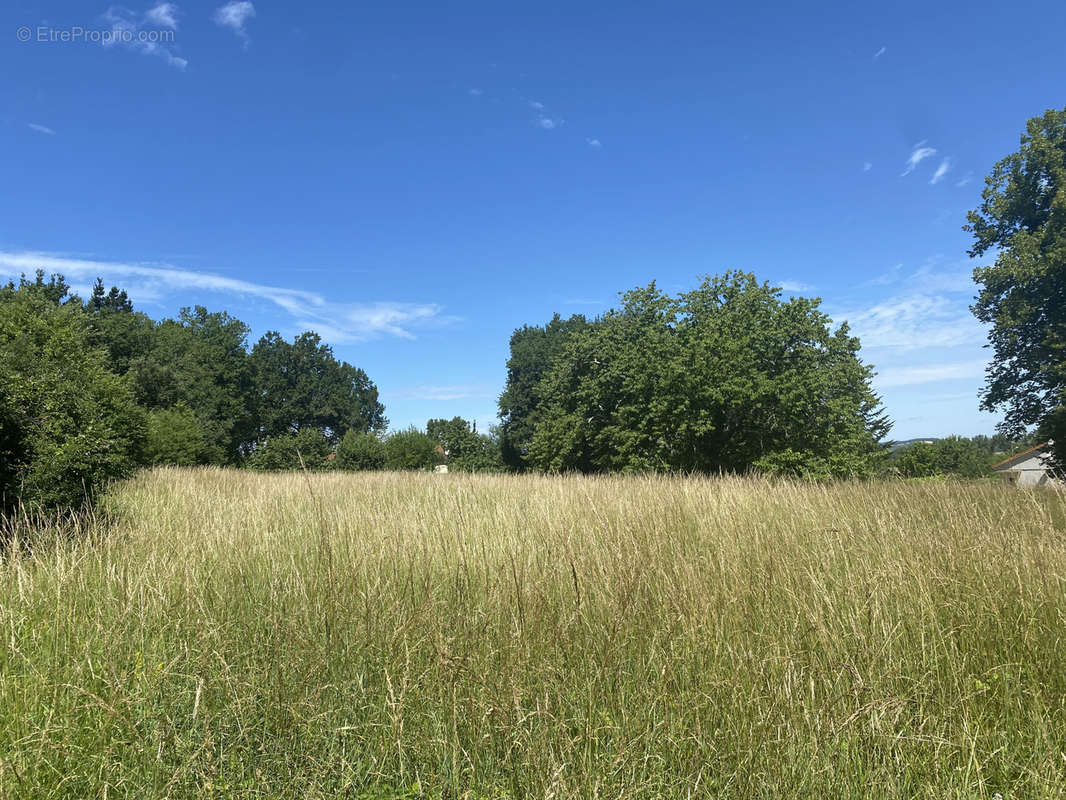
894 446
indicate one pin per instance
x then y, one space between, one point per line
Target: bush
68 425
465 448
308 448
360 451
175 437
954 455
412 449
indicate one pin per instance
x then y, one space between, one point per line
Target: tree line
92 390
728 377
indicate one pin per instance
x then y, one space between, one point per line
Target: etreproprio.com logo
106 36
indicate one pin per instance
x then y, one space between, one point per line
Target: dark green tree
307 448
533 348
360 451
1022 297
952 456
302 385
126 334
68 425
724 378
175 437
412 449
200 359
466 450
55 290
102 300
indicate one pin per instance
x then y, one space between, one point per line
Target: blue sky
414 181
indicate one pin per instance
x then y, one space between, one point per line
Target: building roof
1009 462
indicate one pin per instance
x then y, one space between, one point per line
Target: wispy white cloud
867 166
140 32
928 307
335 321
941 171
163 15
536 106
33 126
548 123
462 391
235 15
915 321
930 373
887 277
795 286
965 179
918 154
596 143
880 53
475 92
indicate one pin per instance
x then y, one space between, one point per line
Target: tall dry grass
381 635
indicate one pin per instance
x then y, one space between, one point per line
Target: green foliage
360 451
308 448
533 348
723 378
175 437
200 359
302 385
412 449
954 455
68 426
1023 294
116 326
465 448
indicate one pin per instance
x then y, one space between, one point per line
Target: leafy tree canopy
68 425
1022 297
302 385
724 378
466 449
954 455
360 451
174 437
307 448
412 449
200 360
533 348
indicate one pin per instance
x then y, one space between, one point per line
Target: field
230 634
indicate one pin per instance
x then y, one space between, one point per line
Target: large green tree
127 334
533 348
359 451
953 455
302 385
465 448
724 378
68 425
412 449
1022 218
200 360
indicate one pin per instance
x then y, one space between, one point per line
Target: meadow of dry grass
231 634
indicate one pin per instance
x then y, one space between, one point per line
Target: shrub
175 437
466 449
68 425
412 449
951 456
307 448
360 451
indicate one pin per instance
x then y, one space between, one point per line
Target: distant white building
1028 468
